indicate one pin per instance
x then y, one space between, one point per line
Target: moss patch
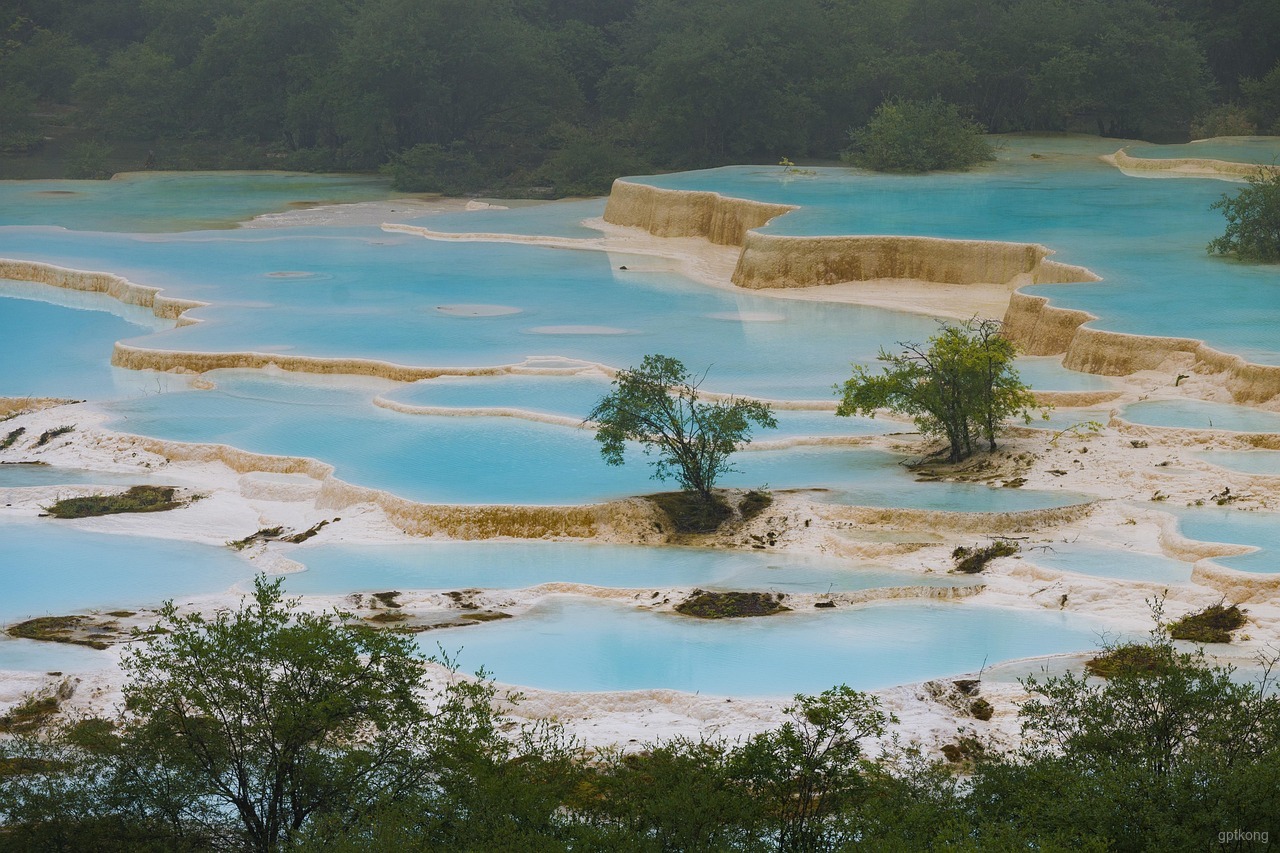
486 616
728 605
973 560
299 538
58 629
387 616
1214 624
689 513
136 499
1133 659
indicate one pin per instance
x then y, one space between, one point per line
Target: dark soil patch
688 512
753 503
136 499
1214 624
728 605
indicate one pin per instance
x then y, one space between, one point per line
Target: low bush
689 513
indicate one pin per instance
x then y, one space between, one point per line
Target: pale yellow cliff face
680 213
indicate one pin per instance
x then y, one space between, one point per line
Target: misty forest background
557 97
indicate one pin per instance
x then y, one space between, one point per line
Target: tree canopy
1253 220
658 405
919 136
960 387
541 97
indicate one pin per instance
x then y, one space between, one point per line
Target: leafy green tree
1253 220
961 387
271 717
1164 755
657 405
919 136
812 768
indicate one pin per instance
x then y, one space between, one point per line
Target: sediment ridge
1193 166
719 219
117 287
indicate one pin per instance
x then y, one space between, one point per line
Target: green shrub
434 169
1253 220
919 136
1133 659
1214 624
1223 120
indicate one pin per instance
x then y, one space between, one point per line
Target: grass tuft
11 438
50 434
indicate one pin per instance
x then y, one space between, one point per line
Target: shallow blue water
1241 149
572 644
1224 524
36 656
1145 238
1116 563
175 201
50 350
336 569
1199 414
505 460
19 475
51 568
1265 462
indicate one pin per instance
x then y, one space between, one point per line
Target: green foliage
919 136
268 716
1253 221
88 161
1223 120
428 168
657 405
18 127
1161 758
961 387
1213 624
812 768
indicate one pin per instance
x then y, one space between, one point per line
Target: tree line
270 729
559 96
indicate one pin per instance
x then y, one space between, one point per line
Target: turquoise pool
579 645
339 568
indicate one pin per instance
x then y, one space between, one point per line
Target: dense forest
558 96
